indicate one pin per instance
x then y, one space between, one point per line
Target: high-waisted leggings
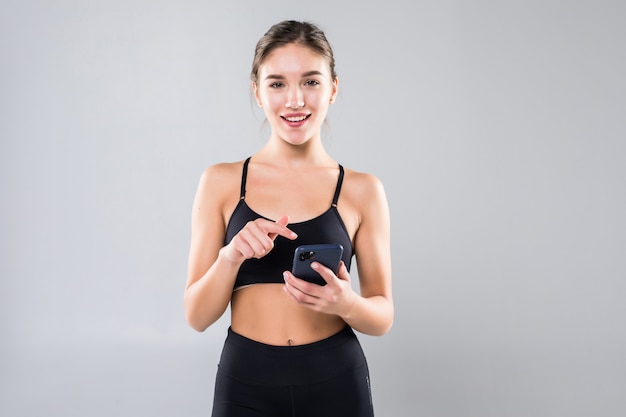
322 379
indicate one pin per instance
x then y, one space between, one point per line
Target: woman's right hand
256 239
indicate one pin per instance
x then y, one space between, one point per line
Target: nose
295 99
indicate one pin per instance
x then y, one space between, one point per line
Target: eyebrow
281 77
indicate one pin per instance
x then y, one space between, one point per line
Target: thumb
343 273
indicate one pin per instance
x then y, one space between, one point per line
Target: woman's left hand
336 297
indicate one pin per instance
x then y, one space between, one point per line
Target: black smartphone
328 254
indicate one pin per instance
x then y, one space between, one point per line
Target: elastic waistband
338 338
258 362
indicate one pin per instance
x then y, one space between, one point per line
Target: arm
212 267
210 277
370 312
373 312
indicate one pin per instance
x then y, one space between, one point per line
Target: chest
300 196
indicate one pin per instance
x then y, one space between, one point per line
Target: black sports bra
328 227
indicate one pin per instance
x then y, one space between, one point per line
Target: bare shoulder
220 178
218 188
222 172
362 202
362 187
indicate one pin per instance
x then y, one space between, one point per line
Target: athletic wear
328 378
325 228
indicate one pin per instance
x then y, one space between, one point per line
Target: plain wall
498 129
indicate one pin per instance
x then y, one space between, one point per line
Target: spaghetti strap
326 227
244 174
338 189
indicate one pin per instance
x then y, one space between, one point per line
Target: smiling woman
290 77
290 340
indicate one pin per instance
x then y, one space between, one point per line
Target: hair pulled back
291 31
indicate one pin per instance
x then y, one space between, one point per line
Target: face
295 89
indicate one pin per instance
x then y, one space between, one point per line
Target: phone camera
307 255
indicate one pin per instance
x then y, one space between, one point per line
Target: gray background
498 129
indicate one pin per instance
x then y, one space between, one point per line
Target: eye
277 84
312 83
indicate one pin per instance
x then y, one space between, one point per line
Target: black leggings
322 379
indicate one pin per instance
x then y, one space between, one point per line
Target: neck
294 157
281 152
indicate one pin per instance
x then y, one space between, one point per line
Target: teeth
296 119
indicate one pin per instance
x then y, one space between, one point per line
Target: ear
335 87
256 94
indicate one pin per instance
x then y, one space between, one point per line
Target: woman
290 349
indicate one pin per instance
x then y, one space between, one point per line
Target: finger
295 288
250 248
300 297
343 272
283 220
295 295
279 227
326 273
254 239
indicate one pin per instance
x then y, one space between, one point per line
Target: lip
297 119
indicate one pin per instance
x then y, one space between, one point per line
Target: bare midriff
265 313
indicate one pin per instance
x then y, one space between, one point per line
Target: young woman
290 349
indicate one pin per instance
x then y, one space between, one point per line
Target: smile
295 119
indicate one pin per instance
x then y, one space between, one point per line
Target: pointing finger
280 228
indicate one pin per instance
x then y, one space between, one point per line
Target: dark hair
291 31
